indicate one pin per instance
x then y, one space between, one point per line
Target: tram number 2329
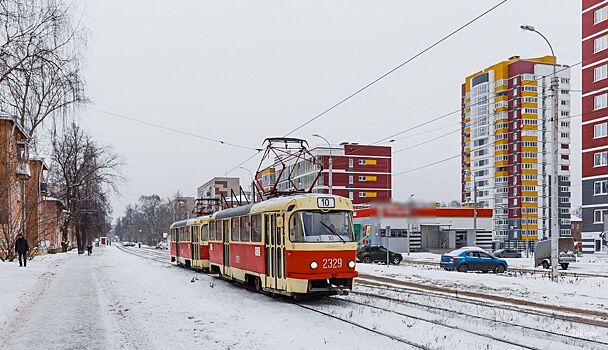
326 202
332 263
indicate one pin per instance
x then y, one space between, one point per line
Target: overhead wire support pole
554 185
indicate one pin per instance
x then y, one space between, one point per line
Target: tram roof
181 223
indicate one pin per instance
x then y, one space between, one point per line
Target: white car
162 245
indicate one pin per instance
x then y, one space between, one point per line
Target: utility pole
387 234
554 185
331 176
474 206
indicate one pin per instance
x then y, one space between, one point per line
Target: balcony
23 170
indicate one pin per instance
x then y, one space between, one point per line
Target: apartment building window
600 159
531 110
600 101
565 80
565 124
564 210
600 188
600 15
564 199
598 216
350 162
529 88
564 178
350 179
600 73
362 194
565 135
528 188
565 189
600 130
600 44
530 99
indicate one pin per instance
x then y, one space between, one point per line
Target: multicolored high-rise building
506 146
595 125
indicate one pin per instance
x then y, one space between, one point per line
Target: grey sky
242 71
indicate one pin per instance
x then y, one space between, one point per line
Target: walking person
89 249
21 248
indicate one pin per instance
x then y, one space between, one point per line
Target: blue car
472 259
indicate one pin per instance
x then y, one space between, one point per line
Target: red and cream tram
294 245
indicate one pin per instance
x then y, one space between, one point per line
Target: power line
122 116
395 68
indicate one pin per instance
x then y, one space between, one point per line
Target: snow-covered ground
114 299
586 292
597 264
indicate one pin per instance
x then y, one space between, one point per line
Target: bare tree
40 60
83 173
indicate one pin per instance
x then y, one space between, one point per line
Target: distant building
429 228
180 208
219 186
595 124
506 146
360 172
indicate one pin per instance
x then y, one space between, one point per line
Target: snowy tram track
444 332
493 304
352 323
545 333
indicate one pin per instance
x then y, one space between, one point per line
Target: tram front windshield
317 226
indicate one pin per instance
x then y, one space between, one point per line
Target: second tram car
295 245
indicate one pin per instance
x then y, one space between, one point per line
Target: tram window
273 223
279 264
267 229
234 229
245 229
225 229
256 228
296 233
212 231
205 235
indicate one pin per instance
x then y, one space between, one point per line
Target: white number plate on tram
326 202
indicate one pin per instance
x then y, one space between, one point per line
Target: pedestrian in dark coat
89 249
21 248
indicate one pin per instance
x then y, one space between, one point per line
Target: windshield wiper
332 231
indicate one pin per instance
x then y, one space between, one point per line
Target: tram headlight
351 264
313 265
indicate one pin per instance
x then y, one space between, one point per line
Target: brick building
595 124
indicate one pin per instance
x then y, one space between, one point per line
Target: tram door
278 248
274 251
226 240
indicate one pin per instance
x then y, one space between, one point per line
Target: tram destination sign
326 202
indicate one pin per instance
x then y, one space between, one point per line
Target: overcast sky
242 71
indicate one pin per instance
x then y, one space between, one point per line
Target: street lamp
474 205
554 161
252 189
330 161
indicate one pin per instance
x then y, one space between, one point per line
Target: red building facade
594 123
362 173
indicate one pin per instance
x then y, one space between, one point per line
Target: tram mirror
279 221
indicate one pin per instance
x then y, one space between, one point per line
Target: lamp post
474 206
554 162
252 184
330 161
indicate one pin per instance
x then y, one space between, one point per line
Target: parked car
507 253
377 253
128 244
162 245
472 259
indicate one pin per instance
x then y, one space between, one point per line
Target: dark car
472 259
507 253
377 253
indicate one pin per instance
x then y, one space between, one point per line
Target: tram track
521 270
369 329
567 313
163 258
460 313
